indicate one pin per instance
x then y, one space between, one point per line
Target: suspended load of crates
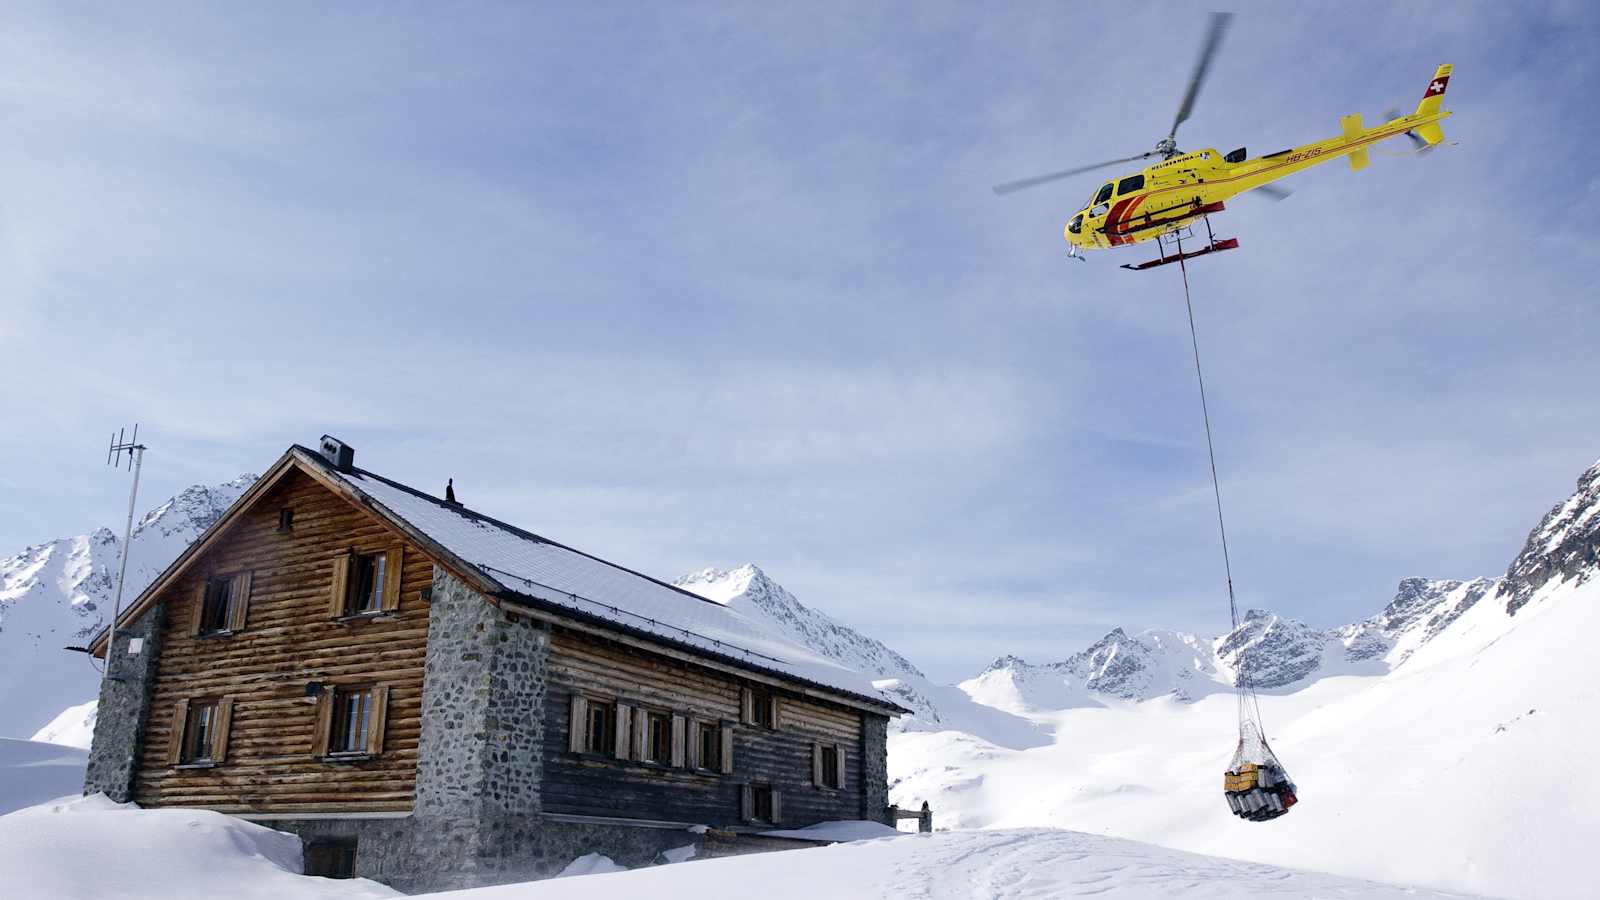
1256 786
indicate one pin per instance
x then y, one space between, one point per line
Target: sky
688 285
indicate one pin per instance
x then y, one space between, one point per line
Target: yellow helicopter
1162 201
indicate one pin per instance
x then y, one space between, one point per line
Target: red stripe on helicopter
1120 214
1437 86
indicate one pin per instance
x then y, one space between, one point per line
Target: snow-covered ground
1466 769
162 854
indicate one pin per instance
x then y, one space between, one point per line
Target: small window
830 766
366 585
710 738
214 611
1130 184
761 709
658 738
602 736
331 858
199 734
1105 193
352 718
761 802
285 520
1076 225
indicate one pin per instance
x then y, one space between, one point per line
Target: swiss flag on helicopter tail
1433 95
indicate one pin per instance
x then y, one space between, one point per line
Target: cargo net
1256 785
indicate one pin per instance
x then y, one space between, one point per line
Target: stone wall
124 708
875 768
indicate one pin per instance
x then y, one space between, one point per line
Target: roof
512 563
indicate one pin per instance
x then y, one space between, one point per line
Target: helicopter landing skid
1216 246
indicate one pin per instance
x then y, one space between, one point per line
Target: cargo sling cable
1256 786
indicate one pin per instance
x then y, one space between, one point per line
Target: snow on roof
529 565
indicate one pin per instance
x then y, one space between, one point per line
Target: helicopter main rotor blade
1013 186
1219 26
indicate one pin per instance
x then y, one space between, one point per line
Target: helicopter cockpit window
1105 193
1076 225
1130 184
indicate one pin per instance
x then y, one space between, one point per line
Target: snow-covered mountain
58 594
934 707
1274 653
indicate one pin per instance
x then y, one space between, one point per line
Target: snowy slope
1444 741
31 772
59 593
934 707
162 854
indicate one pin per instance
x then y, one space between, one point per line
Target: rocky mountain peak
1564 546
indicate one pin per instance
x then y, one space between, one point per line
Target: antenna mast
122 443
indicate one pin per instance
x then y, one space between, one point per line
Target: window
214 609
710 746
1104 194
1076 225
602 731
352 718
658 738
760 708
366 585
1130 184
200 732
761 804
285 519
220 606
830 767
331 858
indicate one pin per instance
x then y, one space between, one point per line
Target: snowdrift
90 847
32 773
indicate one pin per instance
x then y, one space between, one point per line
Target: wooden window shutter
838 757
219 738
816 765
679 751
324 724
341 583
180 721
239 601
197 605
777 807
747 713
624 719
727 749
578 725
393 566
641 733
747 802
691 728
777 713
379 721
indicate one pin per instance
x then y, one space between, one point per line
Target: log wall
585 784
289 639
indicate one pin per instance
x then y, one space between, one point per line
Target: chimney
342 455
450 492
